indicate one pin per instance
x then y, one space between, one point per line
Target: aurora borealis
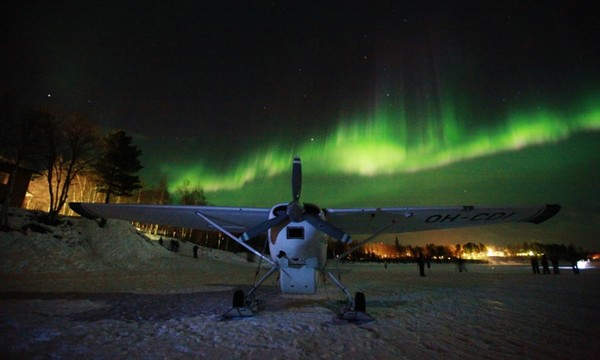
382 144
387 104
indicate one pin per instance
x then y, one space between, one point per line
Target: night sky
388 103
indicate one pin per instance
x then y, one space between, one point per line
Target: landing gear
360 303
238 299
243 306
356 310
239 308
246 305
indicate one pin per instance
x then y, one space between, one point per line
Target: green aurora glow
387 143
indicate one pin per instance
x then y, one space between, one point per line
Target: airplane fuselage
299 249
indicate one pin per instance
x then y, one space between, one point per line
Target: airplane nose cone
295 211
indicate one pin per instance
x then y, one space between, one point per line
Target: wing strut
238 240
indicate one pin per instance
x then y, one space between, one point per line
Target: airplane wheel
238 299
360 304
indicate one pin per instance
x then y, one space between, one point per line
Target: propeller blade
327 228
296 178
263 227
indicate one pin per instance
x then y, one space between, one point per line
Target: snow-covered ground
79 290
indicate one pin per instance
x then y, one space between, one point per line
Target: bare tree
71 145
49 127
156 195
190 195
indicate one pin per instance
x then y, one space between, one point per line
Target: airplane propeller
296 212
328 228
264 226
296 179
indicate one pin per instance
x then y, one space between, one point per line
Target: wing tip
81 210
548 212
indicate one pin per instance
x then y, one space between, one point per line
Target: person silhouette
461 265
421 263
535 265
545 267
554 260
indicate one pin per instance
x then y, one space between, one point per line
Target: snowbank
76 244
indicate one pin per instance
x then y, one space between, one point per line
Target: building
22 179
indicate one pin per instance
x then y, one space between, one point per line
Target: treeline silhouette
372 252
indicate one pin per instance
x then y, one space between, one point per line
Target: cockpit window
295 233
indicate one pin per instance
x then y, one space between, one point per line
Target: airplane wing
232 219
409 219
355 221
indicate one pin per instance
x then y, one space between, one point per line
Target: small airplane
297 234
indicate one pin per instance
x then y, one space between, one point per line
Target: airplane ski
239 312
